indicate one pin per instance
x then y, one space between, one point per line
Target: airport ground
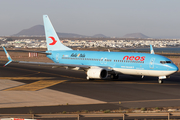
41 89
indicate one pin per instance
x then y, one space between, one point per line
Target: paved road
129 91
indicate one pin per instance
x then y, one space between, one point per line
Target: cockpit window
164 62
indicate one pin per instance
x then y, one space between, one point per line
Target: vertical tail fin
52 40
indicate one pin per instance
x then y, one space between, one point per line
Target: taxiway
30 87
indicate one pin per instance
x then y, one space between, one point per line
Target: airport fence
122 116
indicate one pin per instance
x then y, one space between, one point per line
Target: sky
113 18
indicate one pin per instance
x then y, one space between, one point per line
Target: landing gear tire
160 81
88 78
114 76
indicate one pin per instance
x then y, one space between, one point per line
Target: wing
55 64
41 52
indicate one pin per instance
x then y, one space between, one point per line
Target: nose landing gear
160 81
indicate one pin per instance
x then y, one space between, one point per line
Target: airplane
102 64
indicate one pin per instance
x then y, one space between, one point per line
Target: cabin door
151 64
57 58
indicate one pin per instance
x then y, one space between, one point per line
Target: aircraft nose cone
175 68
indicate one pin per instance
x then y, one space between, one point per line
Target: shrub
86 111
143 109
64 112
107 111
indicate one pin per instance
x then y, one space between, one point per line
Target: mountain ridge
135 35
38 30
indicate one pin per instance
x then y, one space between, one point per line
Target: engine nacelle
97 73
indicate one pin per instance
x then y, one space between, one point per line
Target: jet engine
97 73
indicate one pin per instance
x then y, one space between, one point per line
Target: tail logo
54 41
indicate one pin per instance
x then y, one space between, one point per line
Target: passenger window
164 62
168 62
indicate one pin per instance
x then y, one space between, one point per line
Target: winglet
151 50
8 56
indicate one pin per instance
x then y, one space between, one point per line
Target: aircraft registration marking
36 85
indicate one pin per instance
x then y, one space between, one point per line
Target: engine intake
97 73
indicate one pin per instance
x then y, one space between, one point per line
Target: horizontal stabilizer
8 56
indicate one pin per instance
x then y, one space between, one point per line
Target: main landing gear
114 76
89 78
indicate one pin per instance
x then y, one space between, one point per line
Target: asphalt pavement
126 92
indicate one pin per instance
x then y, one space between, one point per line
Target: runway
44 90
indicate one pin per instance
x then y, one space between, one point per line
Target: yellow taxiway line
36 85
